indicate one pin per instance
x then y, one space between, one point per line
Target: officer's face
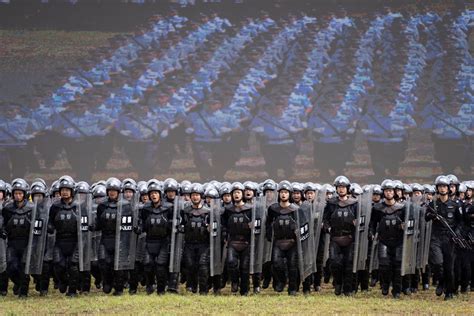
443 189
128 194
113 194
399 193
429 196
468 193
18 195
452 189
195 198
328 195
249 194
144 198
284 195
417 194
38 197
170 195
227 198
237 195
154 196
341 190
57 194
296 196
310 195
187 197
2 195
389 194
376 198
65 193
462 195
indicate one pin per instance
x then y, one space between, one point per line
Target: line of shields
84 209
416 239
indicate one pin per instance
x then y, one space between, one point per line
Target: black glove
3 234
137 230
430 215
92 227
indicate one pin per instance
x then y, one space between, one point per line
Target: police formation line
158 235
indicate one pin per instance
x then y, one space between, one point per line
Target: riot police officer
107 223
195 220
281 224
156 217
443 211
236 230
63 220
387 218
340 214
17 216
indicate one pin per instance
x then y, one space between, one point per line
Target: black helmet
296 186
129 184
284 185
142 187
341 181
185 188
225 188
66 182
212 193
377 189
170 185
154 185
38 188
453 179
398 184
99 191
387 184
113 184
82 187
442 180
54 188
355 189
237 186
269 184
197 188
429 188
407 188
417 187
250 185
21 185
309 186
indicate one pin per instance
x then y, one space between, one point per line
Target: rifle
456 238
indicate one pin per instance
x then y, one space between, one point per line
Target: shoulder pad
349 201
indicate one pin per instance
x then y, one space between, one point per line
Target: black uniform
3 275
17 218
281 223
236 230
156 222
63 221
387 221
339 219
442 248
197 247
466 261
107 222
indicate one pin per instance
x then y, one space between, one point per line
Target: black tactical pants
197 261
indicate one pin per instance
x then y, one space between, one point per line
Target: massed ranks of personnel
212 134
278 134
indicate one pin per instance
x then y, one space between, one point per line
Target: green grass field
268 302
